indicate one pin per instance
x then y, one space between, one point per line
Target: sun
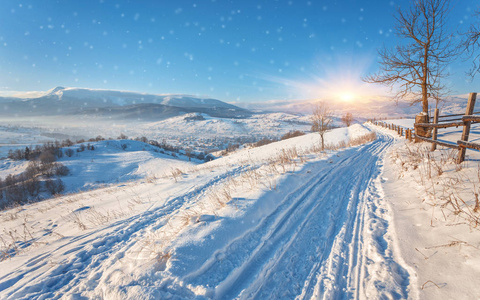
346 96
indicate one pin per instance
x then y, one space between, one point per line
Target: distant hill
361 108
115 104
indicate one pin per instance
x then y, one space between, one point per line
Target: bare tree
69 152
122 137
347 119
54 187
321 120
32 186
417 67
471 44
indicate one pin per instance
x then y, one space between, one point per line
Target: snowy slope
280 221
273 125
110 163
252 224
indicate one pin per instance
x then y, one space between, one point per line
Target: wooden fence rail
463 144
466 120
432 125
437 142
473 119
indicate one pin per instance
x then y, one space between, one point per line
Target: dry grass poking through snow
227 195
451 190
14 240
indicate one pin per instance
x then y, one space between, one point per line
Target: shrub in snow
69 152
292 134
122 137
15 192
54 187
33 169
81 148
209 157
46 160
32 186
263 142
61 170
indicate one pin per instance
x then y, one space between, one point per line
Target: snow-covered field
205 134
280 221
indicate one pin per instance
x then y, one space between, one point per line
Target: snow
439 244
259 223
207 134
13 137
137 161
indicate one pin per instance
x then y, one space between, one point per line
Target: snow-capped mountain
62 101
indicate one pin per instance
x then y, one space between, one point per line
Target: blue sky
230 50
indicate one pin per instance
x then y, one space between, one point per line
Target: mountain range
115 104
123 105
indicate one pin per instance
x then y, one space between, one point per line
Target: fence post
434 134
466 127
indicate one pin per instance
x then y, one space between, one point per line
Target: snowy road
324 233
329 238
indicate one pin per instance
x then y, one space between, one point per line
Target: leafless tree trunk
321 120
347 119
417 67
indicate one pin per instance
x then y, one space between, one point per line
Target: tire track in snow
96 250
312 245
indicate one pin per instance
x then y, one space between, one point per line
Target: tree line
41 175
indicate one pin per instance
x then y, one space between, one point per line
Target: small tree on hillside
347 119
46 160
321 120
417 67
122 137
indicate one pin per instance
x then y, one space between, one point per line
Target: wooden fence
442 122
